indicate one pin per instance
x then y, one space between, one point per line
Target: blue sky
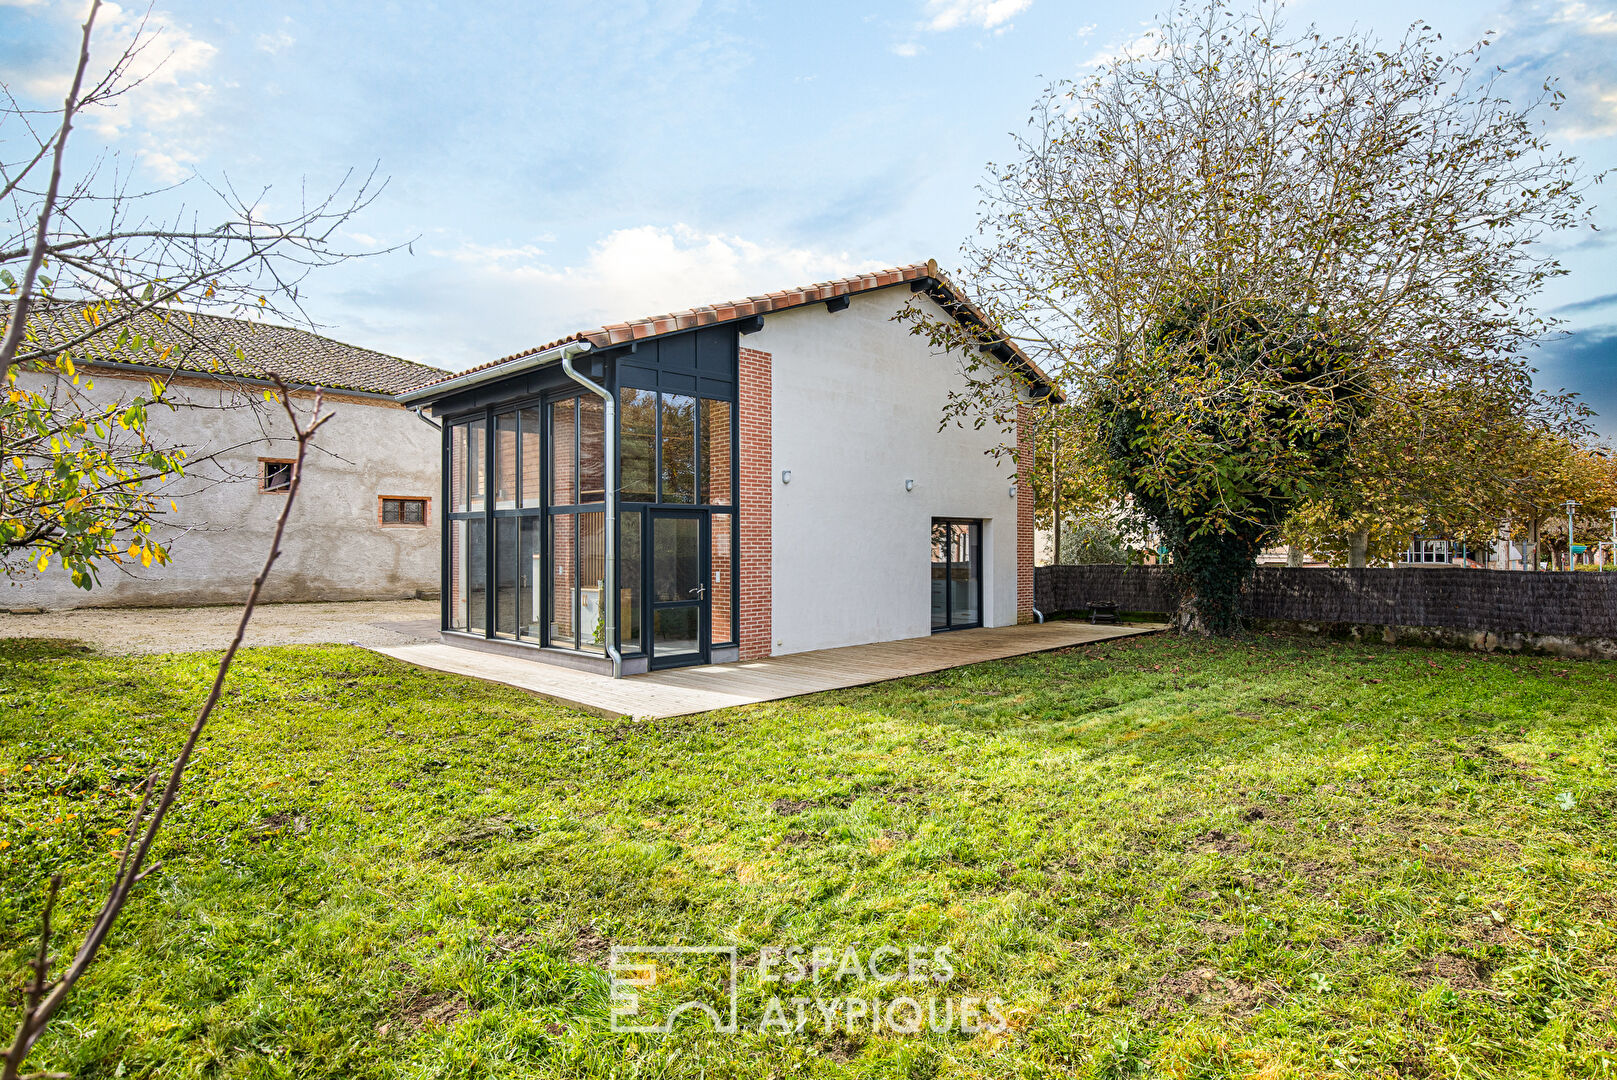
559 165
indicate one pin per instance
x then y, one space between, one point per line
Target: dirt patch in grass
791 807
1461 973
1217 841
438 1008
1204 990
590 946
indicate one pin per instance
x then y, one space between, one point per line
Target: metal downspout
610 585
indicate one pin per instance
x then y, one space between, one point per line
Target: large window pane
940 574
530 613
528 421
578 564
458 617
676 559
505 576
457 467
964 561
592 581
678 448
476 463
468 574
722 589
637 451
563 452
629 582
716 453
505 461
592 450
563 580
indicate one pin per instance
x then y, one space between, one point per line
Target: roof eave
473 379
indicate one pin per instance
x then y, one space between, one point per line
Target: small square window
399 510
274 474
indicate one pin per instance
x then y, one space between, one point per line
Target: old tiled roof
621 333
208 344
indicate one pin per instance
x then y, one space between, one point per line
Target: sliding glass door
957 579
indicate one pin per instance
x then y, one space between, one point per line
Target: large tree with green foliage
1388 189
1225 417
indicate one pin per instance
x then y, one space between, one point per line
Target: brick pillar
757 504
1024 514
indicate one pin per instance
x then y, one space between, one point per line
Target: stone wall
1487 608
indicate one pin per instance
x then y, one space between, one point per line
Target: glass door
957 579
679 588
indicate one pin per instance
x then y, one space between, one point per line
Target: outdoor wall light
786 476
1013 491
909 485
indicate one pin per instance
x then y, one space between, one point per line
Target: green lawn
1276 858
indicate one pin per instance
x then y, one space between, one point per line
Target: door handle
699 592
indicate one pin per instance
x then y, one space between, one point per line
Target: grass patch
1280 857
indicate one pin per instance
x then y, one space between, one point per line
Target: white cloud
279 41
1144 45
166 92
1587 20
907 49
986 14
1570 41
514 296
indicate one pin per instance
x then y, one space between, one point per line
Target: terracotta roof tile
762 304
207 344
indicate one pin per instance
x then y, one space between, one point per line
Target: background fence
1502 601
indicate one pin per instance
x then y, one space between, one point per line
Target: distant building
366 524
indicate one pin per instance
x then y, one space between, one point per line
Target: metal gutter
609 586
494 373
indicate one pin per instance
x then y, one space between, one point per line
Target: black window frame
949 624
705 383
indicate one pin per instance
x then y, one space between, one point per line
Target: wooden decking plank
718 686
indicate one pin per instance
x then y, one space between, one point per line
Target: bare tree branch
47 999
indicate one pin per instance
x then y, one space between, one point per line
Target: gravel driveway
155 630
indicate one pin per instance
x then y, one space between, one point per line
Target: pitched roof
208 344
923 275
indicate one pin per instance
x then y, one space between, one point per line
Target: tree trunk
1294 555
1358 548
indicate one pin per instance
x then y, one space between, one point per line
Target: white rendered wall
856 404
335 548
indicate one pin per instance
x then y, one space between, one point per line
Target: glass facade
525 552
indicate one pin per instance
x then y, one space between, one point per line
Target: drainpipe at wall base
1039 615
609 587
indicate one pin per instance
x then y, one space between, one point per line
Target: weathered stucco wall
856 405
336 548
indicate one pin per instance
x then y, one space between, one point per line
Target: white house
775 469
366 524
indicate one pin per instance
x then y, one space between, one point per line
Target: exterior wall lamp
909 485
786 476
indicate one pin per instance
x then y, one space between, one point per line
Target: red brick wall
1024 514
757 513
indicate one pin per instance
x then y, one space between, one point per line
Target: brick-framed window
275 474
408 511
